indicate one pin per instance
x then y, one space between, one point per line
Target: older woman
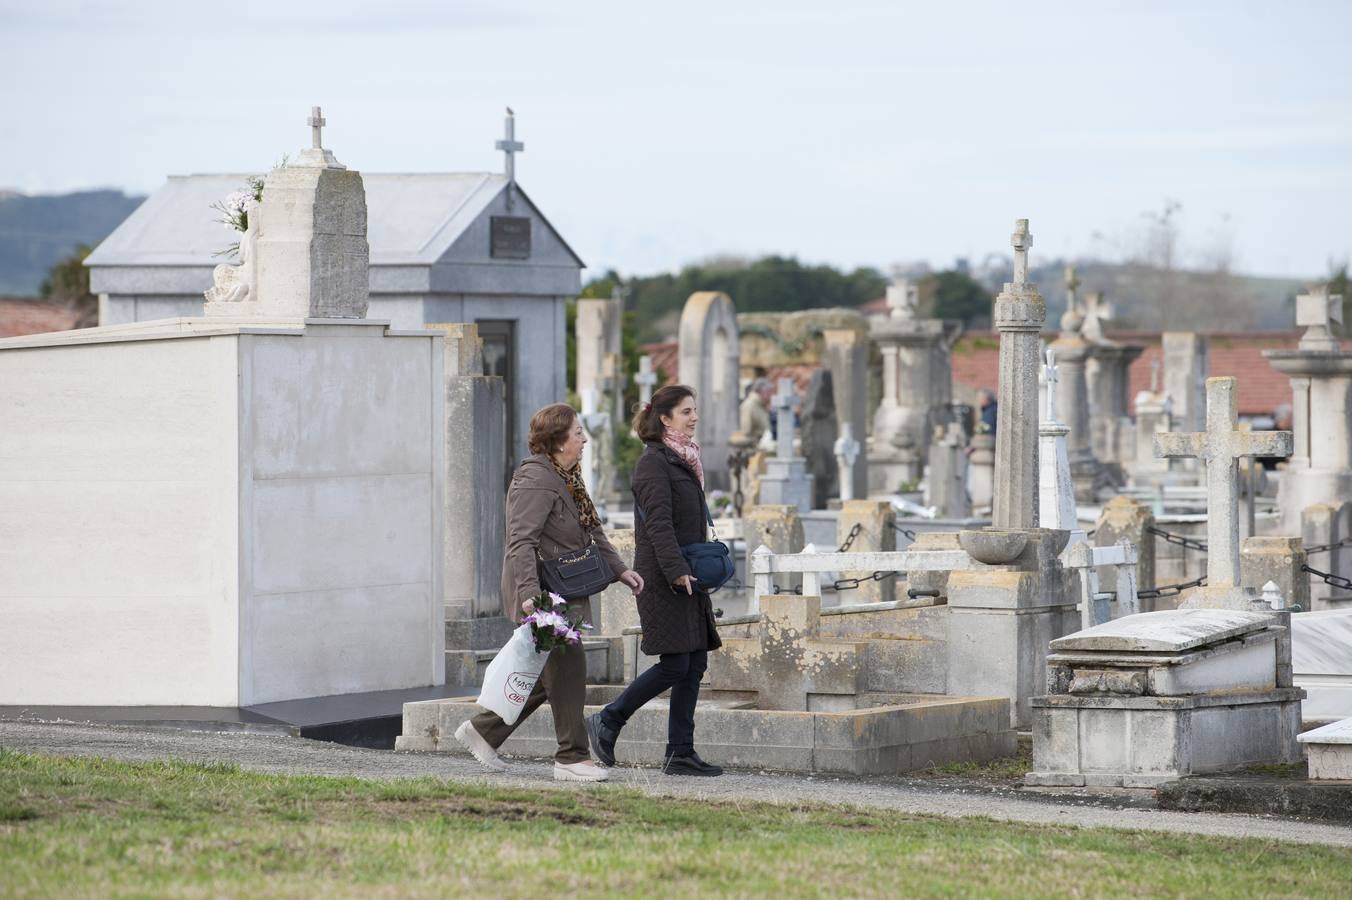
677 617
548 515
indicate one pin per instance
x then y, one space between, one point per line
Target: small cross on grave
1221 446
784 403
788 661
316 123
510 146
645 378
1051 376
1021 241
1072 284
847 451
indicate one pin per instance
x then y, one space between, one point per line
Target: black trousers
679 671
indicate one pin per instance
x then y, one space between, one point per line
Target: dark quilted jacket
673 515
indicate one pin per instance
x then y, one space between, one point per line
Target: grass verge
86 827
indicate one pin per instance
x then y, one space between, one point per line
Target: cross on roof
1022 240
510 146
316 123
1221 446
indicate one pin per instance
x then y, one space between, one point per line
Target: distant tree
68 281
953 294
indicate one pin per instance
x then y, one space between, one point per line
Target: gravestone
1161 695
847 357
1153 416
1072 357
1220 447
847 451
1320 468
786 480
709 365
948 473
1019 314
819 437
1111 433
1185 372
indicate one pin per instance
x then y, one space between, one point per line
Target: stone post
948 474
1072 357
1019 314
1279 560
779 527
1323 524
981 472
1124 518
847 358
877 532
1056 491
1185 372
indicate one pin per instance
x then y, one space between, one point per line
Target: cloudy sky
845 132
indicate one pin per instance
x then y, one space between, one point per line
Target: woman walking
549 515
677 618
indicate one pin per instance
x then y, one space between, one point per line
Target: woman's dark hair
648 420
550 427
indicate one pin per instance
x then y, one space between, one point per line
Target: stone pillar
847 358
615 608
778 527
1056 491
1019 314
1279 560
1323 524
1124 518
917 381
1109 419
1185 373
932 581
710 361
877 532
948 475
475 473
597 334
1152 418
1072 355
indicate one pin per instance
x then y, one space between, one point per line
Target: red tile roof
20 316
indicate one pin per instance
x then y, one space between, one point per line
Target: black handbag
576 574
710 562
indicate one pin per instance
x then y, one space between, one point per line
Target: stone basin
902 733
993 546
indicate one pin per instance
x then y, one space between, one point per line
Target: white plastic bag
512 674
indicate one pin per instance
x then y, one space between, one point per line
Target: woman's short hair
550 427
648 420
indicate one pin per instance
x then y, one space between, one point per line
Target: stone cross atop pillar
1096 312
1321 314
1050 378
847 454
510 146
1019 314
784 399
645 378
317 123
1072 285
1220 447
315 155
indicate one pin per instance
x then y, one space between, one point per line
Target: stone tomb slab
1321 658
912 732
1330 751
1165 631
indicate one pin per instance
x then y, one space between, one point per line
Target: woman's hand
632 580
687 582
528 607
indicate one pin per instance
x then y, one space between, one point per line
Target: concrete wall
118 498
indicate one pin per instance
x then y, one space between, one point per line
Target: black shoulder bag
575 574
710 562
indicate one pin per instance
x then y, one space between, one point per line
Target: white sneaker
471 740
586 770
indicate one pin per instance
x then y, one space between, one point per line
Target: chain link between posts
1179 539
1170 590
1323 548
1329 578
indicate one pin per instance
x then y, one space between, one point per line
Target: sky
846 132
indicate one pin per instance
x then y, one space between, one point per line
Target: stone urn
993 546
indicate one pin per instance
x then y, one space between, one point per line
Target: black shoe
602 738
690 765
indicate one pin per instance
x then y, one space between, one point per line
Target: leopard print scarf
586 510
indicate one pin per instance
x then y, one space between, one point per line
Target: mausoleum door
499 347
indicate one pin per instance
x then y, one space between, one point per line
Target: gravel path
266 753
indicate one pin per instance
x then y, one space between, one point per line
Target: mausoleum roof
412 219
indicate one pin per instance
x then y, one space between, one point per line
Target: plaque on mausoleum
510 237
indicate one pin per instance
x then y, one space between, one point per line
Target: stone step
486 633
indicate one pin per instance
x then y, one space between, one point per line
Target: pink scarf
687 449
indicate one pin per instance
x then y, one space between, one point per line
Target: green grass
86 828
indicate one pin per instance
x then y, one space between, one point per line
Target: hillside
37 231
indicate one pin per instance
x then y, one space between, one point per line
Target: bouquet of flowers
550 625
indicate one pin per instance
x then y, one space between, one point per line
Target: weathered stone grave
710 360
786 480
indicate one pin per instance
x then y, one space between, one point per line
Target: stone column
1019 314
981 472
877 523
1276 559
847 358
1185 373
948 475
1072 355
1056 491
1123 517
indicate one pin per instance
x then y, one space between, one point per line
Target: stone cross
510 146
847 452
645 378
1051 378
1221 446
1021 240
1072 284
784 419
316 123
1096 312
1321 314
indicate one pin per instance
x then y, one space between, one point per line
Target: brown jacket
541 515
672 504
